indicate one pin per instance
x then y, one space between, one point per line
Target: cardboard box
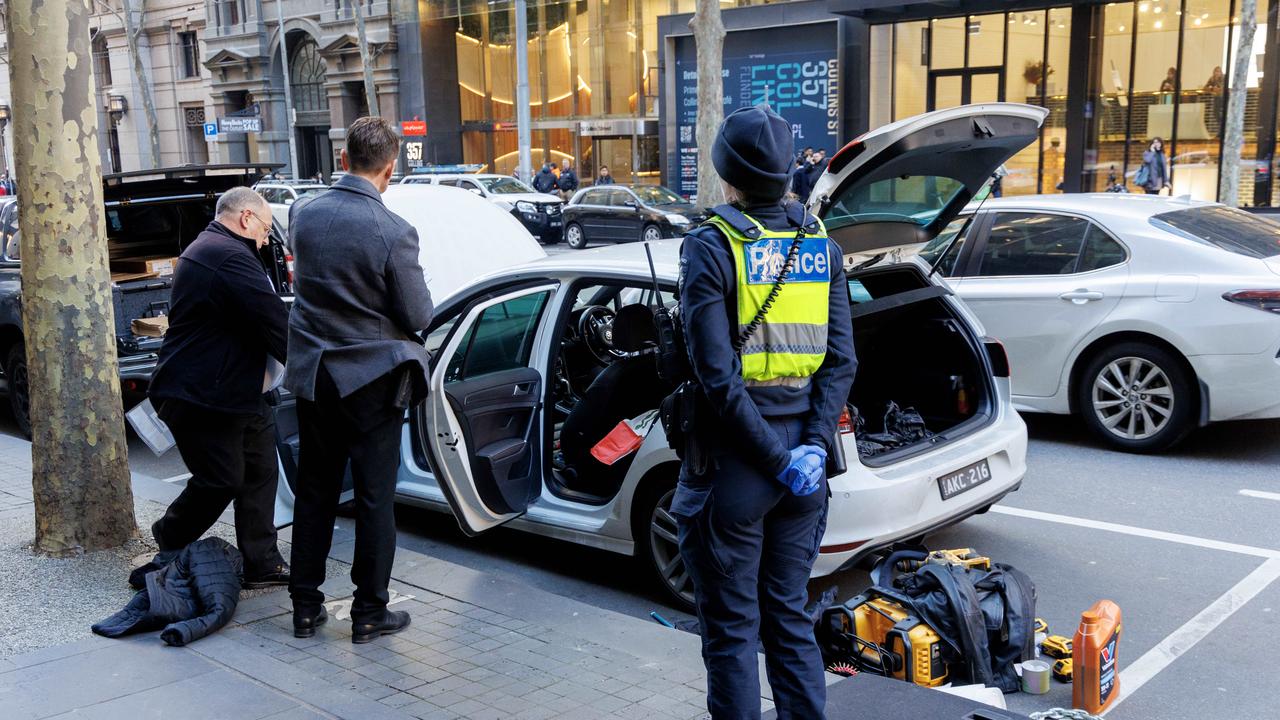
160 265
150 327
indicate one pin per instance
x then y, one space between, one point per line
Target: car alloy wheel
664 549
652 233
574 237
1133 398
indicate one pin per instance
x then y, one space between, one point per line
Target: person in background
750 522
1156 166
7 184
356 363
318 177
1216 82
1170 82
545 180
225 320
568 182
604 178
555 170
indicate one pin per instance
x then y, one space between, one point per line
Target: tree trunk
708 37
140 74
1233 133
370 93
80 465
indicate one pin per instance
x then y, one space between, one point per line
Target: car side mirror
290 201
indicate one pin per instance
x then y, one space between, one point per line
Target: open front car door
482 412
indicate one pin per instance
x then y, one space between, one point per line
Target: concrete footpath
479 647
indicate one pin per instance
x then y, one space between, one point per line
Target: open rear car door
483 434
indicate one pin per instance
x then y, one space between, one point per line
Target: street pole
66 360
288 93
525 168
370 93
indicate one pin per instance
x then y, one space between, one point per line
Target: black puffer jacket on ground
190 596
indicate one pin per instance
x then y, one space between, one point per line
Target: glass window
910 69
271 195
1054 131
190 47
595 197
9 231
1024 81
500 339
1105 154
942 251
1223 227
946 43
880 88
619 198
1100 251
656 195
505 186
1033 244
910 198
1155 83
986 40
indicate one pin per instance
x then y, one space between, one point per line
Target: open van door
483 432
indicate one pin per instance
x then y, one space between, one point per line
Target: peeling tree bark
1238 92
708 37
131 31
80 466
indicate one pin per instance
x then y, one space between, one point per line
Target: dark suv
149 213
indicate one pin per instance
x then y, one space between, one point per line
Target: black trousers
363 428
232 459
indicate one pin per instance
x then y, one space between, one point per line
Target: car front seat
627 388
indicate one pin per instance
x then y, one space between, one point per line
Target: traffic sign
211 129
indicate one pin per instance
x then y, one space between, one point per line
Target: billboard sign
796 73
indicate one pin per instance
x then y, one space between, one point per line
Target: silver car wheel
665 543
573 236
652 234
1133 398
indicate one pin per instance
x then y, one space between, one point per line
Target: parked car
539 212
1147 316
531 365
149 213
281 194
626 213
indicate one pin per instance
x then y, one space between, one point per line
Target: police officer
751 522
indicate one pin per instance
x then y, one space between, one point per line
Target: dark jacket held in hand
224 319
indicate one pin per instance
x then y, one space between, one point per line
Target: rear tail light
1266 300
288 264
999 358
846 421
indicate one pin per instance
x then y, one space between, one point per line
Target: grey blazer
361 295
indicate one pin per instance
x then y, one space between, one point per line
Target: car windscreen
916 199
309 191
655 195
505 186
1224 227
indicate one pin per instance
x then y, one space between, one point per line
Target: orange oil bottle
1095 680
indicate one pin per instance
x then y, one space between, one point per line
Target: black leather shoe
305 624
275 577
391 623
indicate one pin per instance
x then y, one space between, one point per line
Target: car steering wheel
595 327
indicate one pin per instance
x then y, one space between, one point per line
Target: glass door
952 88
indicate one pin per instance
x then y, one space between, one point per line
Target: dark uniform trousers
749 545
232 459
363 428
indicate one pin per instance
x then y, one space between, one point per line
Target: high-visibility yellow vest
790 344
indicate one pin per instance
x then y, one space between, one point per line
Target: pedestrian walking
604 178
568 182
775 364
1153 174
225 321
7 184
545 180
356 363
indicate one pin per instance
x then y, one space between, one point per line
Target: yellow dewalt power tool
967 558
876 631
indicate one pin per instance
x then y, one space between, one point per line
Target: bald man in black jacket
225 319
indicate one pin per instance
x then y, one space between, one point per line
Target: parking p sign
211 129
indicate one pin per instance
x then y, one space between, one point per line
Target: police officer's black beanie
753 152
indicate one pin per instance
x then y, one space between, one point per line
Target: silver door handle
1082 296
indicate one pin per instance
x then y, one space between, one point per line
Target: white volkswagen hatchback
536 362
1147 316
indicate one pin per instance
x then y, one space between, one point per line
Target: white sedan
1147 316
534 362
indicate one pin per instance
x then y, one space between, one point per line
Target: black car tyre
15 371
574 236
1137 397
651 233
654 529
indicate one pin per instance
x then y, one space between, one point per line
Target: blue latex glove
803 475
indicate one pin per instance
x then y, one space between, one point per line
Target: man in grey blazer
356 362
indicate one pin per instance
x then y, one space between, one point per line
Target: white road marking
1196 629
1260 494
176 478
1139 532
